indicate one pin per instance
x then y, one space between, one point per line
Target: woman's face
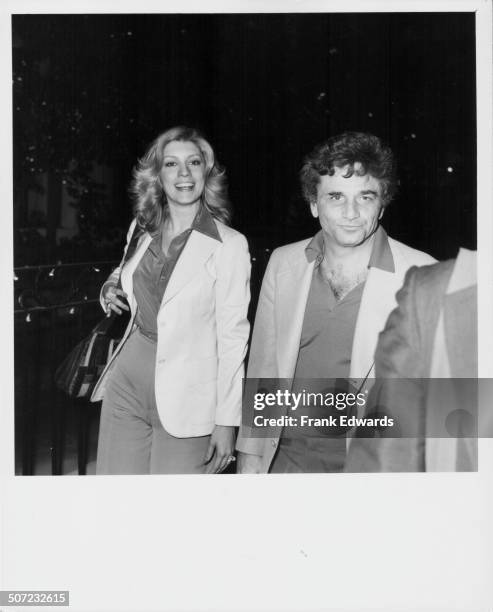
183 173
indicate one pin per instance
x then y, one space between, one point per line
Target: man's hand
249 464
220 452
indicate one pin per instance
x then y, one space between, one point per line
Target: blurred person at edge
172 389
426 367
324 300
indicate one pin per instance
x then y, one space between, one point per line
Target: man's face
349 209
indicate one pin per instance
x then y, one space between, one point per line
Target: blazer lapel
129 269
461 332
460 316
294 286
198 249
377 301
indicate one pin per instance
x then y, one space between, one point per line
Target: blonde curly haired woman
172 390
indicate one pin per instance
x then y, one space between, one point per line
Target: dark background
265 89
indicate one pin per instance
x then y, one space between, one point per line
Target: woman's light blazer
202 332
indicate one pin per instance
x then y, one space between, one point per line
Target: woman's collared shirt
152 275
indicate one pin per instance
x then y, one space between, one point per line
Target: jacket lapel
460 316
377 301
461 332
129 269
197 251
294 286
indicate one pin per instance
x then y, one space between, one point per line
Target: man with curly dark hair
324 300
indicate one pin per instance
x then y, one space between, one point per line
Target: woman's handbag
79 372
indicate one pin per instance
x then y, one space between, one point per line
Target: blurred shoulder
431 275
427 285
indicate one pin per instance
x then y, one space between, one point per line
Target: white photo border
302 542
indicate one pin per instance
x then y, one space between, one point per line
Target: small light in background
51 272
16 278
72 310
96 269
413 136
28 318
450 169
370 114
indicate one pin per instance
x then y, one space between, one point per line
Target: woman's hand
221 448
112 299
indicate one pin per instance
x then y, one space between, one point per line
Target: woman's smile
183 173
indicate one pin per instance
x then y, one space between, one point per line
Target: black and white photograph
251 243
300 116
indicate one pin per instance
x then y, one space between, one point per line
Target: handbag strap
132 246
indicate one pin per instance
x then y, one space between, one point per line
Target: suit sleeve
232 299
113 277
262 359
398 391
